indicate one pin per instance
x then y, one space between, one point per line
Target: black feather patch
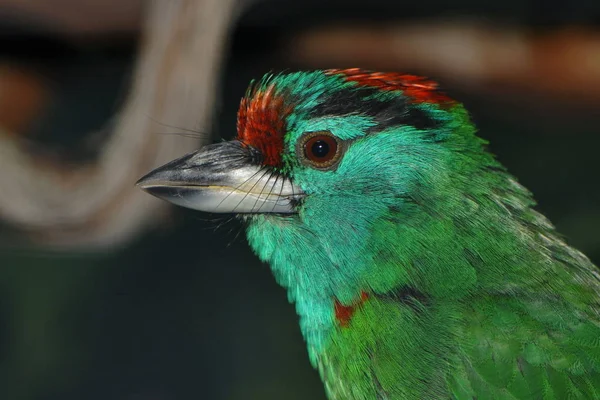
407 296
386 112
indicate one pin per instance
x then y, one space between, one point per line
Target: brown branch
97 204
563 63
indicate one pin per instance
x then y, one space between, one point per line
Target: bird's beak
221 178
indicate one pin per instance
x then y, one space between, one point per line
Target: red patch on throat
343 314
419 89
261 124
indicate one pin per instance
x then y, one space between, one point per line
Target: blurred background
107 293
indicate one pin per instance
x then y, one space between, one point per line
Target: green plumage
504 310
417 264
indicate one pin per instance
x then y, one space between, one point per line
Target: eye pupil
320 149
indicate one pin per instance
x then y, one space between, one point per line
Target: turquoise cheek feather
321 255
314 278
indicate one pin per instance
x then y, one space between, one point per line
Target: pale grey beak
222 178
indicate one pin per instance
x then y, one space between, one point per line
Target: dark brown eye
321 149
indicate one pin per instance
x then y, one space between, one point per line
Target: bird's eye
320 149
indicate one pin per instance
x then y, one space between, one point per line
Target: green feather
417 264
472 293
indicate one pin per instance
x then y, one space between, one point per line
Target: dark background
186 311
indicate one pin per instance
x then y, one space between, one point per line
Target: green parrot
417 264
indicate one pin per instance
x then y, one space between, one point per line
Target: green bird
417 264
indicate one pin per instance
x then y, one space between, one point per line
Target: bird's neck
321 275
464 246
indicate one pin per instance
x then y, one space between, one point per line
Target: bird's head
324 139
324 163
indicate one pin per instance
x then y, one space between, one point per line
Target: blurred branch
563 63
77 17
22 95
97 204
